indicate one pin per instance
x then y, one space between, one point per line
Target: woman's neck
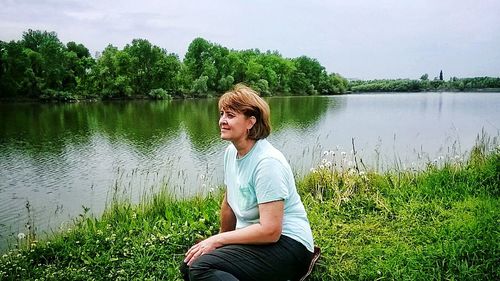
244 146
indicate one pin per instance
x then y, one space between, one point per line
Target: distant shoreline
6 100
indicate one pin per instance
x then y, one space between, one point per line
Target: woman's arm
268 230
227 217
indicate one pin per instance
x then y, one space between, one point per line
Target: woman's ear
253 120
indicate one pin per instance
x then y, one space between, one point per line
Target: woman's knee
193 272
199 268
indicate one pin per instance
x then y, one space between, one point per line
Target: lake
63 157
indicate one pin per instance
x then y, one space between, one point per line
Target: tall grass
440 223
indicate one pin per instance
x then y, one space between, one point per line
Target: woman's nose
222 120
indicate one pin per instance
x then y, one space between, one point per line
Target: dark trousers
286 259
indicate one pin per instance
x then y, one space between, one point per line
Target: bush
50 94
262 87
159 94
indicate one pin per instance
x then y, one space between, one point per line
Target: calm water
60 157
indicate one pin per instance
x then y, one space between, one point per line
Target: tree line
424 84
40 66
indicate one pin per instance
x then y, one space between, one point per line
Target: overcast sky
358 39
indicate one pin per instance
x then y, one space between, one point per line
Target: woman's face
234 126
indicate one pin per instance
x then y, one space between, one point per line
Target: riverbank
439 223
214 95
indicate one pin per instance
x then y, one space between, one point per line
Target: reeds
436 223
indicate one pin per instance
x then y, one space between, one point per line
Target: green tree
333 84
200 87
145 66
167 71
13 65
262 87
78 63
52 53
254 71
110 76
205 59
312 72
282 68
225 83
196 56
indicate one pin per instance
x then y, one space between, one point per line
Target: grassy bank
442 223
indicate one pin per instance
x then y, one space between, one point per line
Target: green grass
442 223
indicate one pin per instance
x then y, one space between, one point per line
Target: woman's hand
201 248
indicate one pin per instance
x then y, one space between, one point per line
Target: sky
359 39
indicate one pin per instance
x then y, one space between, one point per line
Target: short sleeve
271 181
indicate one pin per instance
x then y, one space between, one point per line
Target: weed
438 223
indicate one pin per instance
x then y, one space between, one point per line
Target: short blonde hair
245 100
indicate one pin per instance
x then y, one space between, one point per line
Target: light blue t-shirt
263 175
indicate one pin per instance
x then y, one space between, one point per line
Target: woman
265 233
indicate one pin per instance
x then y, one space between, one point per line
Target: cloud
363 39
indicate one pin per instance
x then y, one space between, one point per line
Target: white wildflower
321 166
202 177
21 236
211 190
328 164
332 153
343 153
323 161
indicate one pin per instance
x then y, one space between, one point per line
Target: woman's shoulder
268 151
